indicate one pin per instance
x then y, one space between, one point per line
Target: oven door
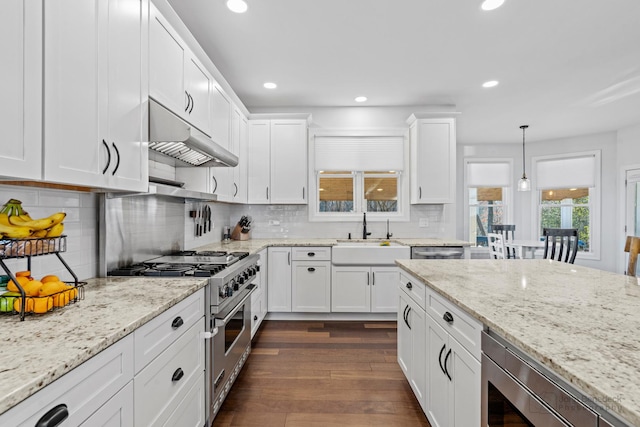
230 342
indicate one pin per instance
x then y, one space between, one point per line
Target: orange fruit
60 299
28 308
72 292
22 281
42 304
50 278
32 288
25 273
50 288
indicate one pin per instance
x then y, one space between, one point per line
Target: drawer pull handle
255 317
409 285
311 253
54 417
311 269
448 317
177 322
177 375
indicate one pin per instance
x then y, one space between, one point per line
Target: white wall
80 226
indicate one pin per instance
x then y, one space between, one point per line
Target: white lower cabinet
366 289
453 374
117 412
412 339
279 278
311 286
259 296
81 392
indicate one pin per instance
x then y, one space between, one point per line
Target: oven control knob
246 274
253 271
241 280
257 267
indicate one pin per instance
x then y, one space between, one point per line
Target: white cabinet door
433 157
258 169
465 387
384 289
350 289
222 183
167 56
416 318
279 278
21 89
289 161
221 116
198 87
437 396
311 286
404 335
117 412
239 147
95 84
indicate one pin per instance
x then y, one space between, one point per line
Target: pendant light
524 184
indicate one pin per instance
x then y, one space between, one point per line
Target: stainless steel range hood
172 136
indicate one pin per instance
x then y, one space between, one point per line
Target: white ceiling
566 67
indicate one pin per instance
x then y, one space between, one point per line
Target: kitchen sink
368 253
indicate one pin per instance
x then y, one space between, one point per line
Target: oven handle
222 321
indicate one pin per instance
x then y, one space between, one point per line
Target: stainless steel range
228 317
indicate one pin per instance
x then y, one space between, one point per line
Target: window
568 193
488 194
356 173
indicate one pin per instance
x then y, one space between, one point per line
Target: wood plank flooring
322 374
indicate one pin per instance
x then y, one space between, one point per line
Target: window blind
569 172
488 174
359 153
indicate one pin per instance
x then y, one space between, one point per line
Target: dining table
522 247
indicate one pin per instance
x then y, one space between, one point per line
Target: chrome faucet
364 227
388 234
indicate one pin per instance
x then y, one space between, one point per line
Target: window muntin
567 208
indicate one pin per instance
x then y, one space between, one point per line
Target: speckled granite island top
255 245
582 323
41 349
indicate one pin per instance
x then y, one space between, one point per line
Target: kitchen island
42 348
580 323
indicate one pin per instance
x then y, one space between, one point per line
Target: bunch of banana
15 223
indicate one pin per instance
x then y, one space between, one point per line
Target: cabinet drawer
190 409
308 253
117 412
464 328
155 336
414 288
83 390
159 387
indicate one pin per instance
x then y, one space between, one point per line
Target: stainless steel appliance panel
437 252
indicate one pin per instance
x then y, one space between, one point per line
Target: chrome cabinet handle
373 280
419 192
289 258
118 161
267 193
54 416
108 158
368 278
302 193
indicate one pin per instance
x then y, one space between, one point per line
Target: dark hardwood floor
322 374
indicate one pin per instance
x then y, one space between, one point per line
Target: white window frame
507 193
595 205
403 213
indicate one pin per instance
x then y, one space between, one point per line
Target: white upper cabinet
277 170
221 118
21 88
95 92
433 159
177 80
238 147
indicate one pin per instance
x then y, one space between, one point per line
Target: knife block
237 234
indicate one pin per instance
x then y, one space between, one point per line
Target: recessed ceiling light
361 98
491 4
490 83
237 6
270 85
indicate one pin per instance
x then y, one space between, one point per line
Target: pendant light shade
524 184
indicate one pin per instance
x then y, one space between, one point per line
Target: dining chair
496 245
632 246
507 231
560 244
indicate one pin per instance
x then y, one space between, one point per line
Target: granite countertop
255 245
582 323
41 349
